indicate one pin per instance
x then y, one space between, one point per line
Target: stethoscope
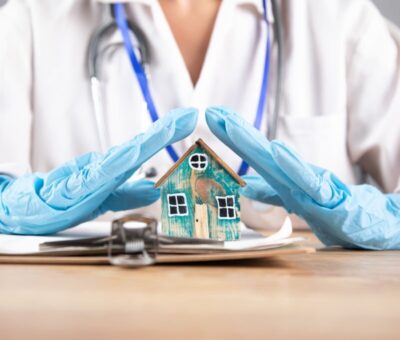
139 58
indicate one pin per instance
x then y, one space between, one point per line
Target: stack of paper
252 244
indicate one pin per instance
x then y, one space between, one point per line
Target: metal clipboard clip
137 246
133 245
133 242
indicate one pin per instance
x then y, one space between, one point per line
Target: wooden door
201 221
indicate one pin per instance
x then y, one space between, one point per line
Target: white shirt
341 99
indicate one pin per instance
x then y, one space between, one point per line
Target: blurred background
390 8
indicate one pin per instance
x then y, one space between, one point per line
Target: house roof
203 145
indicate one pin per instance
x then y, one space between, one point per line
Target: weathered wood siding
200 187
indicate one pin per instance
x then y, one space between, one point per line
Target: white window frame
177 205
226 207
205 163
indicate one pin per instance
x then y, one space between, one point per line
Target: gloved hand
349 216
89 185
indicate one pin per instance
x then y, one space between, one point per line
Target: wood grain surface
330 294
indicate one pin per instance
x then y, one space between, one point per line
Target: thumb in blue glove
349 216
259 190
89 185
129 195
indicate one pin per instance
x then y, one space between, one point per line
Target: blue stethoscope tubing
123 26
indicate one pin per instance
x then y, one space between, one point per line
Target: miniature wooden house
200 196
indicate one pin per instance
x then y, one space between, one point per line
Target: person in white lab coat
340 102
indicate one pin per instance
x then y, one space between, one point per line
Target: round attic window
198 161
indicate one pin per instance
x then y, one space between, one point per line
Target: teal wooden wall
186 180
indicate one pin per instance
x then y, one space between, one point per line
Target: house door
201 221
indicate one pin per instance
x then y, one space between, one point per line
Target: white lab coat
341 99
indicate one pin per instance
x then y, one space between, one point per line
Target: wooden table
333 294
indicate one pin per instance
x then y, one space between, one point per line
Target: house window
198 161
226 207
177 205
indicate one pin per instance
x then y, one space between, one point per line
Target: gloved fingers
318 186
174 126
59 186
259 190
69 168
324 222
120 162
280 167
247 142
131 195
24 212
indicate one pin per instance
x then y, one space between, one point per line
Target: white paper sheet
20 245
250 239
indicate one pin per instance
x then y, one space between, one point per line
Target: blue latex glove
89 185
349 216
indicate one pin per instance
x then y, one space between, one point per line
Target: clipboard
161 259
134 242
